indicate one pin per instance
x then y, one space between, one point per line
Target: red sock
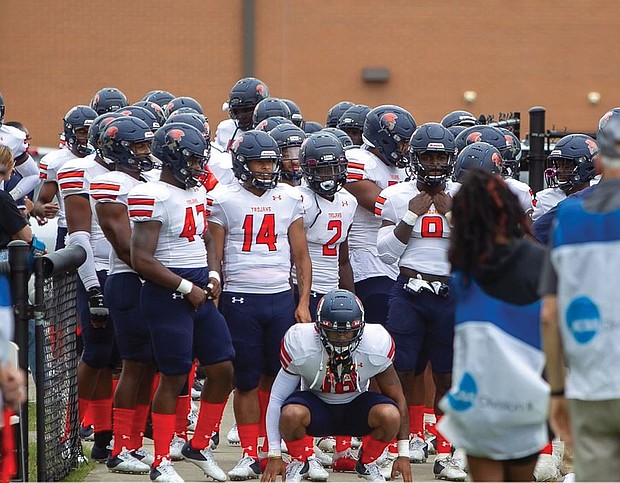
163 430
308 446
443 445
263 402
416 420
547 449
123 422
371 449
139 423
297 449
219 421
393 446
101 410
182 410
83 410
209 416
343 443
248 435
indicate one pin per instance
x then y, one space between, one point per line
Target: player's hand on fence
402 467
275 467
196 297
99 313
13 385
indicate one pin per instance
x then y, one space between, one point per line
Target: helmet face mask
323 164
573 161
432 154
255 146
75 129
126 142
340 324
243 98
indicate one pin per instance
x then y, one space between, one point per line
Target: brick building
513 55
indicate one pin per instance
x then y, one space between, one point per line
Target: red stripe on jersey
148 213
105 186
71 174
141 201
380 200
355 176
378 211
71 184
354 165
43 175
392 350
209 202
283 354
104 196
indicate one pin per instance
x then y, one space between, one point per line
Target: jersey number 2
266 233
329 249
189 226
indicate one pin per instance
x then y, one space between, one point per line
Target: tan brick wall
513 54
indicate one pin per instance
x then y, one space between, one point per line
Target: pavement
227 456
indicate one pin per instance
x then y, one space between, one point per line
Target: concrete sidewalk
227 456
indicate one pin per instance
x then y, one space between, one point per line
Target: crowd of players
264 220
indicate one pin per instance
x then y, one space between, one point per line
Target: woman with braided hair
496 409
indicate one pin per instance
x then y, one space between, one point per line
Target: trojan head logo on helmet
573 161
75 129
482 133
387 129
243 98
194 119
432 151
126 143
323 164
340 324
97 126
143 114
477 156
256 145
108 99
183 150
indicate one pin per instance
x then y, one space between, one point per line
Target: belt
411 273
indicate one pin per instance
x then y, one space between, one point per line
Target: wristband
410 218
559 392
185 286
215 274
403 448
272 455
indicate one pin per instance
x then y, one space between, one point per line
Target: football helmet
323 163
161 98
98 124
2 109
608 135
179 102
477 156
178 145
78 117
108 99
459 118
268 124
154 109
289 138
243 98
387 129
573 161
310 127
268 108
482 133
256 145
431 137
335 113
352 122
296 115
194 119
342 136
118 141
512 157
340 324
143 114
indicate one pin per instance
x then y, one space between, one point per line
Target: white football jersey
112 187
183 216
363 237
327 224
14 139
257 254
547 199
303 354
427 250
523 192
49 166
220 164
226 132
74 178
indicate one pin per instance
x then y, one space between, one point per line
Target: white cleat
547 468
445 468
327 444
124 462
460 458
247 468
385 463
176 446
418 450
316 472
296 470
143 455
165 472
325 459
205 460
233 436
369 471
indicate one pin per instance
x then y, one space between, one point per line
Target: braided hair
483 210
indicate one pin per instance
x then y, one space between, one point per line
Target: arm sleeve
86 271
284 385
389 247
30 178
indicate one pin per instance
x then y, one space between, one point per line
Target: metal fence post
537 148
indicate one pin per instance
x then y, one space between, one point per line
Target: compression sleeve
30 178
389 247
86 271
284 385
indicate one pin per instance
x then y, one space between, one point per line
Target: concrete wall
55 54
